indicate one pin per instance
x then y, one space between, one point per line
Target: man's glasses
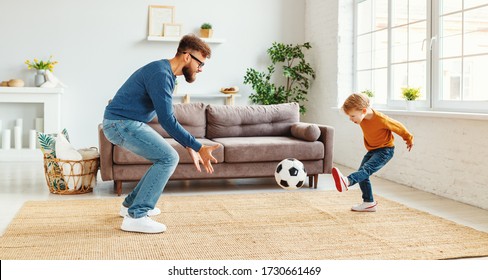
200 63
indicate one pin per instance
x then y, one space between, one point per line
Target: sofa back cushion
251 120
190 115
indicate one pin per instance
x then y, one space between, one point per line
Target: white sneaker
365 207
341 181
153 212
144 225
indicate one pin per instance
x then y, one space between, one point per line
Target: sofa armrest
327 137
106 149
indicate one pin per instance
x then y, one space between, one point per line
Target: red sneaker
340 180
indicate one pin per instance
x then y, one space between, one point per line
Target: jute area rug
271 226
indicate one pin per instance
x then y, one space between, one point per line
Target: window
439 46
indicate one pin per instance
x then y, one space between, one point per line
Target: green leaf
47 143
65 133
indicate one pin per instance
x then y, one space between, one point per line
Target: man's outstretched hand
204 156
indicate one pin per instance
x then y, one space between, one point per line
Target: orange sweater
378 131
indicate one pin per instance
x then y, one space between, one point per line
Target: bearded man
147 93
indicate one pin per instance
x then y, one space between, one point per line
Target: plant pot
206 33
411 105
40 77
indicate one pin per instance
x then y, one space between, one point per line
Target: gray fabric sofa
255 139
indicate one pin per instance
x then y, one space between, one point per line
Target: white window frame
433 101
439 104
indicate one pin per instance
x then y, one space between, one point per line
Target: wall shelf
177 39
31 90
229 98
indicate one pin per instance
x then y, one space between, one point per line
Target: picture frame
171 30
158 16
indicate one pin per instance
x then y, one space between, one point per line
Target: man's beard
189 76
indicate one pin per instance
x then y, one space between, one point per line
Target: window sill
433 114
437 114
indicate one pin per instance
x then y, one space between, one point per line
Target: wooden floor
23 181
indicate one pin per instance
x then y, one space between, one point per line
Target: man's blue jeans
144 141
373 161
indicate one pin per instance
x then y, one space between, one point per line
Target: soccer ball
290 174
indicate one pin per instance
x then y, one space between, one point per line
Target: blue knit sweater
147 93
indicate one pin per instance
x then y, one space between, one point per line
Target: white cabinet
50 98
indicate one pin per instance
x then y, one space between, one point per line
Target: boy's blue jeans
142 140
373 161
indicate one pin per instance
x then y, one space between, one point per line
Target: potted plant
370 94
206 30
175 89
296 72
410 94
41 68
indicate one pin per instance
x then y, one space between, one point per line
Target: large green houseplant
296 76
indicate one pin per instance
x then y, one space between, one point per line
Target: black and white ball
290 174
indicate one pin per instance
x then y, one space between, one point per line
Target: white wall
100 43
449 156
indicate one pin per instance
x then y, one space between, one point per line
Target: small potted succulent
410 94
206 30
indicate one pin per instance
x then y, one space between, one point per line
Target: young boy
378 140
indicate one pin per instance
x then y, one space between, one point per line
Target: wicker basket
70 176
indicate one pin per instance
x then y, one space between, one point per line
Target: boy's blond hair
355 101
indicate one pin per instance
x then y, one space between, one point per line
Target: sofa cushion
123 156
251 120
269 148
190 115
305 131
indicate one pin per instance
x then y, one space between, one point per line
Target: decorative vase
411 105
40 77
